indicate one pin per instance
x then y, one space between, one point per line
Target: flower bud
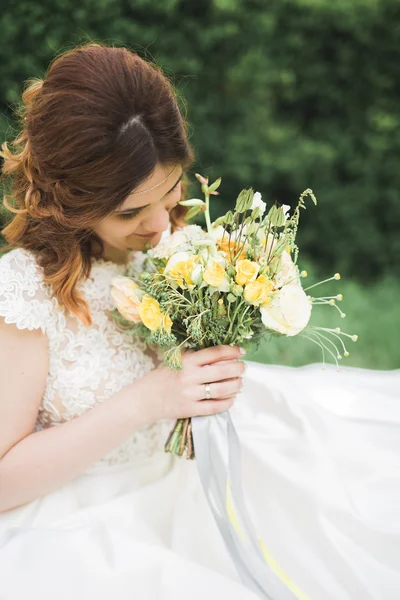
276 216
229 217
237 289
244 200
192 202
203 180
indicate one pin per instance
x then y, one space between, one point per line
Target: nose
158 221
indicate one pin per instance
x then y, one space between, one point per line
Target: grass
372 312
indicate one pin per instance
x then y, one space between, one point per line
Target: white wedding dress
320 464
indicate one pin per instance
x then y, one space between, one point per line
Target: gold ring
208 391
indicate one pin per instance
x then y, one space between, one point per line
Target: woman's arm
33 464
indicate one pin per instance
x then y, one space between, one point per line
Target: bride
91 507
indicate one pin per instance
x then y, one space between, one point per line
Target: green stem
232 322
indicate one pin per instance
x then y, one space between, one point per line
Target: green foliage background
281 95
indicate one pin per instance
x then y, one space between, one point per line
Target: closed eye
135 211
129 215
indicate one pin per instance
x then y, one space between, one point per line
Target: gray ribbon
217 450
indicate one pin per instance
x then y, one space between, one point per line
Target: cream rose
246 271
214 274
124 293
288 312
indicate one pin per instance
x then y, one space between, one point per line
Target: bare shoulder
23 374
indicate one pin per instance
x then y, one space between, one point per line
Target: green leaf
195 210
214 186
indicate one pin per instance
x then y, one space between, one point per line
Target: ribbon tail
217 450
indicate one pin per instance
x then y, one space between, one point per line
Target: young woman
90 504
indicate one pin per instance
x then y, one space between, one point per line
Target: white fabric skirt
321 476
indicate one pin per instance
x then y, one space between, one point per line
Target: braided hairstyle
80 153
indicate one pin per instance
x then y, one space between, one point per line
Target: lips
147 235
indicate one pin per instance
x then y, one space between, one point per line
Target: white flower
169 245
288 272
216 233
288 312
179 240
258 202
272 241
177 257
285 208
193 232
197 274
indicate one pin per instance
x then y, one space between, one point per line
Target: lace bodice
86 364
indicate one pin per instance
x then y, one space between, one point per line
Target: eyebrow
136 208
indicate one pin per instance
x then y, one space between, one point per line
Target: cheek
115 229
125 227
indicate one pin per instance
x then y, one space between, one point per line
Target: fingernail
242 350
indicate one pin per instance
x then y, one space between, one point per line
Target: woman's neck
120 257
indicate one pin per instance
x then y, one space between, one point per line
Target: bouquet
235 283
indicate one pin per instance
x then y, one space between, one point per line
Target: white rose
288 272
258 202
177 257
288 312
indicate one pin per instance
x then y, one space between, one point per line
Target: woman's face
140 215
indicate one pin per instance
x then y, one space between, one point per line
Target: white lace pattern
86 364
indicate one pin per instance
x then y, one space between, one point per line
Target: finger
233 396
216 353
224 362
218 371
210 407
220 389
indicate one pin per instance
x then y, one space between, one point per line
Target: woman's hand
180 394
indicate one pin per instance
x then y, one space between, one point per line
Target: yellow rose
125 297
246 271
181 272
152 316
214 274
259 291
166 322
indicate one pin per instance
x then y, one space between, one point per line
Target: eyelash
129 215
132 215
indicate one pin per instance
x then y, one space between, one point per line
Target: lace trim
87 365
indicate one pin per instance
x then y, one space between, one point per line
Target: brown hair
91 132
